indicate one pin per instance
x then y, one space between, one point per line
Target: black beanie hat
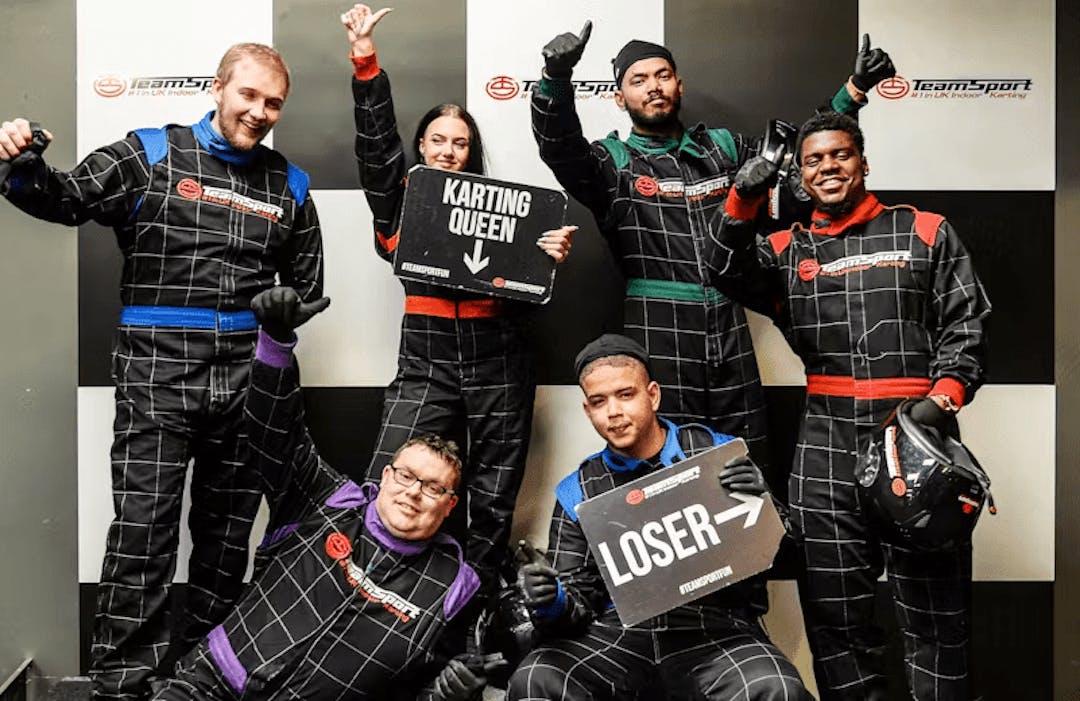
633 52
606 346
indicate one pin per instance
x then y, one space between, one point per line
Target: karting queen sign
478 234
676 535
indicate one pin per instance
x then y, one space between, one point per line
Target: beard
835 210
657 121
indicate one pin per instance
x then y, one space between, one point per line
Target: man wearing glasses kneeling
353 586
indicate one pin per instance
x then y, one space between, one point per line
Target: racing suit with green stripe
654 201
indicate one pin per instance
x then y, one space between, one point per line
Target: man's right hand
359 23
755 177
16 138
563 52
279 310
538 579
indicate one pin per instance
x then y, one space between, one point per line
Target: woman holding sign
463 367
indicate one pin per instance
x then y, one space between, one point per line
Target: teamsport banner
478 234
676 535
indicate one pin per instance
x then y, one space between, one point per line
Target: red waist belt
879 388
449 309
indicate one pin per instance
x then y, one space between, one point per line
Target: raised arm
104 187
588 172
741 264
294 478
380 156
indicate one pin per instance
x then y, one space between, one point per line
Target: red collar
867 210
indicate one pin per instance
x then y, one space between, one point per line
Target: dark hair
829 121
475 164
446 449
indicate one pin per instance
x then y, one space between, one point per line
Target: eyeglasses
404 477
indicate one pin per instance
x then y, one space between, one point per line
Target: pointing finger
865 43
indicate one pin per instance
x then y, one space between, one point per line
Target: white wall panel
505 39
122 40
996 139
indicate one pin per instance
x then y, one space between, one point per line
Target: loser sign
676 535
478 234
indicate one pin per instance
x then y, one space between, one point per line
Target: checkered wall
966 130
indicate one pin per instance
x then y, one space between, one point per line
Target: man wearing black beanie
712 648
653 197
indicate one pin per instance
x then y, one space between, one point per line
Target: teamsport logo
112 86
899 87
809 268
191 189
894 88
502 87
675 188
505 87
339 548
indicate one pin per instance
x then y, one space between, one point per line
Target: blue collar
672 452
216 144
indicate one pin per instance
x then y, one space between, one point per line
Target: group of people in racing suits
357 591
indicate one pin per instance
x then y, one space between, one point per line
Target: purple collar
389 541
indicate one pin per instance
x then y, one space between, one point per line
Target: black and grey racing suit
203 228
880 304
713 648
464 368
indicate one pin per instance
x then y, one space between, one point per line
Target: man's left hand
279 310
457 683
871 66
742 475
927 412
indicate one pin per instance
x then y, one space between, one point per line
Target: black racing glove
742 475
563 52
37 146
929 414
538 580
755 177
456 682
871 67
279 310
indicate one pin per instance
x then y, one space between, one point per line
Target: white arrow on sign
475 264
751 506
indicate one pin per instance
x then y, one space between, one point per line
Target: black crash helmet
506 627
921 489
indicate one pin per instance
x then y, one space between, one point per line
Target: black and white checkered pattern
179 392
466 379
918 312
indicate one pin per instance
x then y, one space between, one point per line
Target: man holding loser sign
712 648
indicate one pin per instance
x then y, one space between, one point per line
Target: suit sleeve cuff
557 608
365 67
949 387
274 353
844 103
743 209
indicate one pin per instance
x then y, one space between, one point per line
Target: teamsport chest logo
647 187
339 548
809 268
190 189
